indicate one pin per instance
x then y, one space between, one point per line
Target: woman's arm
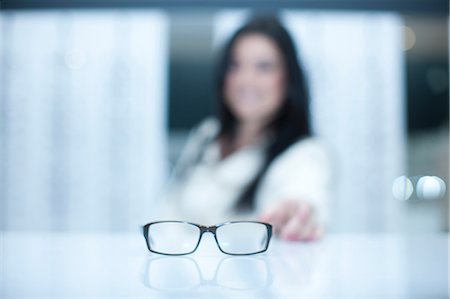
295 193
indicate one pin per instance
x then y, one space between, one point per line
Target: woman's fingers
317 233
291 230
293 220
298 230
304 212
278 215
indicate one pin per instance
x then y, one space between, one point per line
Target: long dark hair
292 122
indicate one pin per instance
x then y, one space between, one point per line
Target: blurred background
97 99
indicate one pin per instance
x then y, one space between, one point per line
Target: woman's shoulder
202 133
198 138
208 127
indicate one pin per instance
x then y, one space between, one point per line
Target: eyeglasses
180 237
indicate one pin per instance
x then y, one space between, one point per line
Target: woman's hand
293 220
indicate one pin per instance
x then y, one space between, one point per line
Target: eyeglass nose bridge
208 229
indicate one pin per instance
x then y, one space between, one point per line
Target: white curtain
354 63
82 118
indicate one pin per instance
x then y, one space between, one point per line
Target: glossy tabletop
82 265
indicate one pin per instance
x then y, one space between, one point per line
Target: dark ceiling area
440 7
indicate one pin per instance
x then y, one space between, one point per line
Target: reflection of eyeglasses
180 238
178 274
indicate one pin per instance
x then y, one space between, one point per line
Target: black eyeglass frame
206 229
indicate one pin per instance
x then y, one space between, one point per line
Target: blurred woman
257 158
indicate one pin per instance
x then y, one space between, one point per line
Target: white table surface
77 265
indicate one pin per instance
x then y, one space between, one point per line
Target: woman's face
255 82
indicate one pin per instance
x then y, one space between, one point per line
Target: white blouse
205 189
